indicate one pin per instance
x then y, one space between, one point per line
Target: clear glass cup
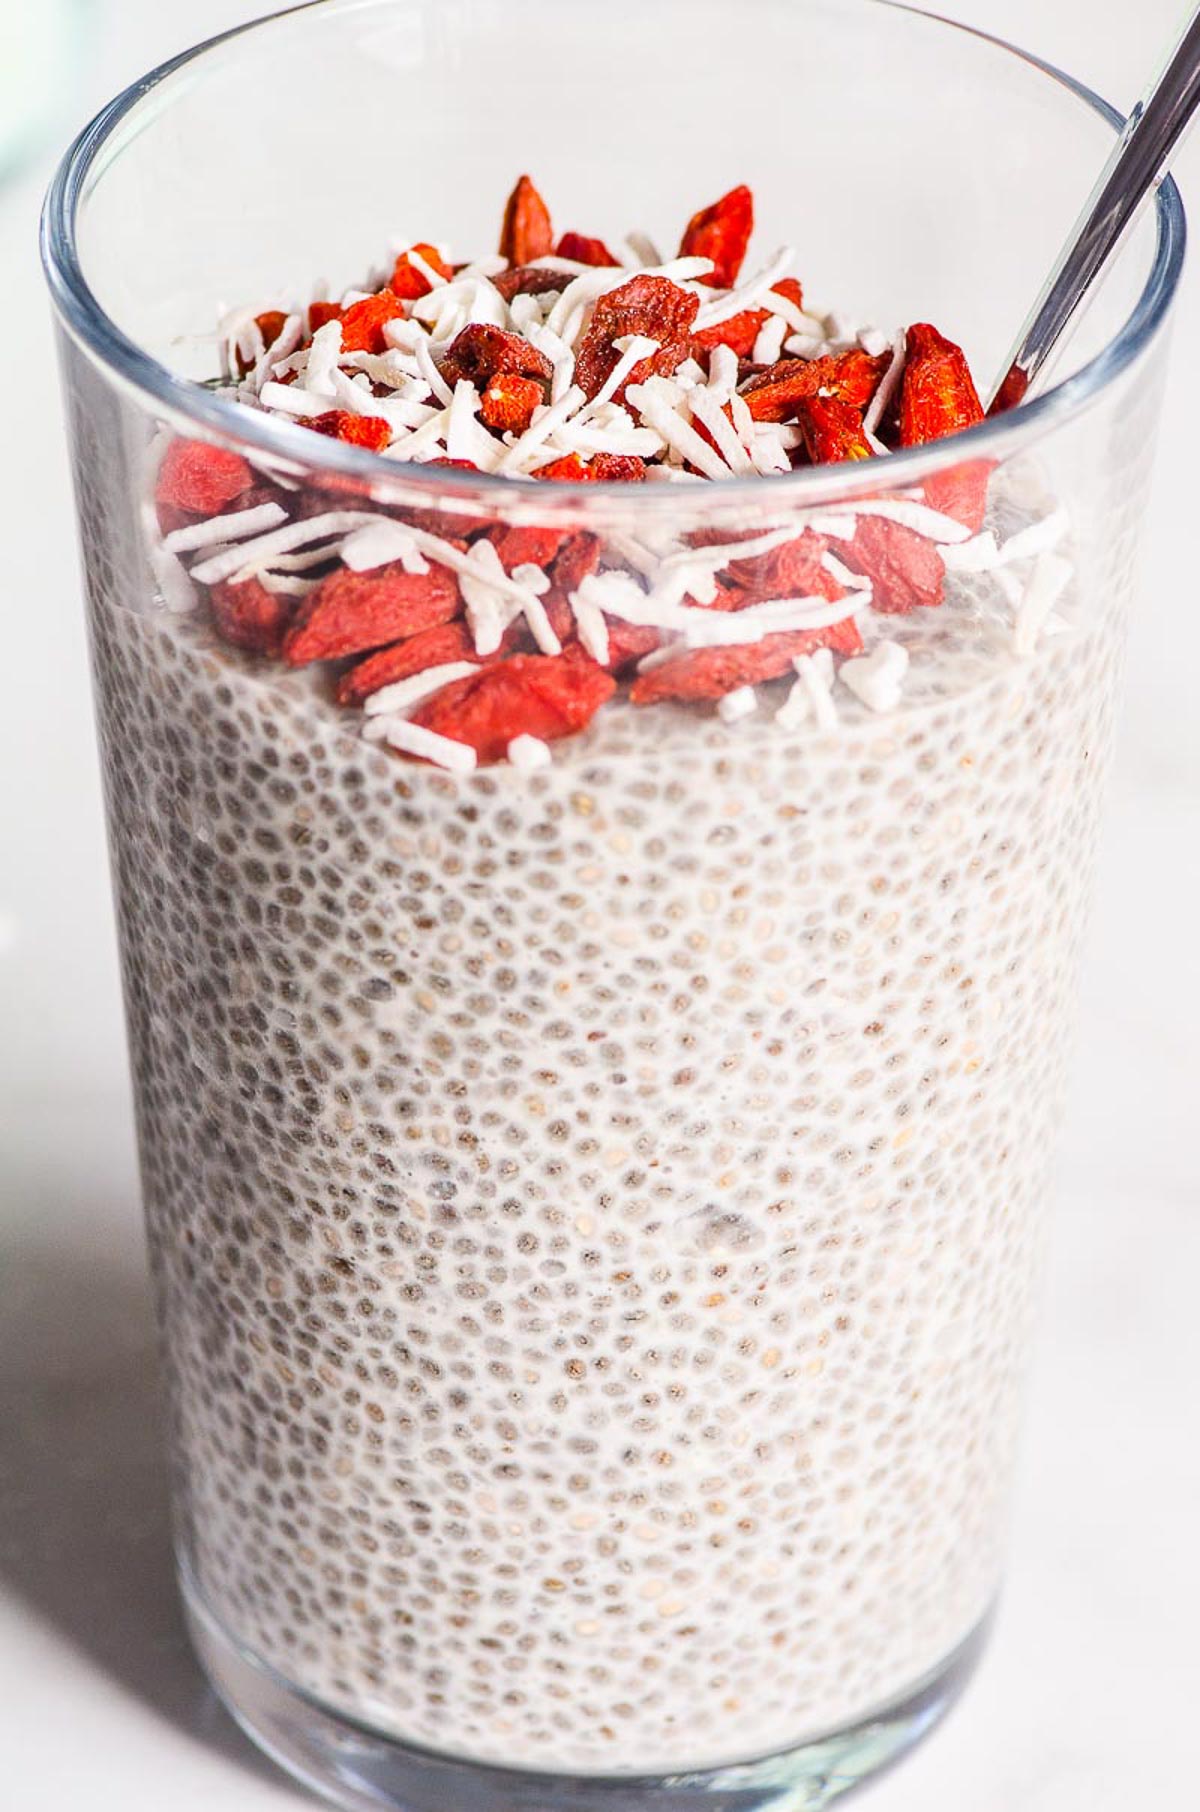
595 1210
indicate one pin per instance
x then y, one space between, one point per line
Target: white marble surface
1087 1699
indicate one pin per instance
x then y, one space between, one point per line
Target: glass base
365 1772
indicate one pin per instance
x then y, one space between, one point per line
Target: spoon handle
1138 162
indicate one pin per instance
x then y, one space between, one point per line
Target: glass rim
289 442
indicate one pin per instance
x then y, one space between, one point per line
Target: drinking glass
595 1209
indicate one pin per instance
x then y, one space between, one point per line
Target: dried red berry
794 570
575 560
480 352
570 469
548 696
722 233
616 468
435 647
653 306
200 478
407 281
712 672
832 430
905 569
850 377
529 280
508 402
249 616
584 251
350 612
526 233
938 397
529 546
358 430
628 643
270 325
363 322
320 314
938 394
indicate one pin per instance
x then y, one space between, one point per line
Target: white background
1087 1700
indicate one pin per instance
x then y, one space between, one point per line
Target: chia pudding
595 1195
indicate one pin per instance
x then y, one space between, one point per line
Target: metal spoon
1137 165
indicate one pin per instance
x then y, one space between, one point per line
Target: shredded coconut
528 752
741 702
877 678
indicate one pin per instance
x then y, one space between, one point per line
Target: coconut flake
741 702
815 673
1049 579
886 388
218 529
1038 538
736 301
443 751
706 408
877 678
379 545
281 348
542 427
323 357
253 554
978 555
661 415
295 399
171 575
396 699
528 752
769 341
916 516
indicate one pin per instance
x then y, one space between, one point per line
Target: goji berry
411 283
616 468
249 616
721 232
358 430
529 280
200 478
1011 392
480 352
653 306
794 570
529 546
905 568
708 673
583 250
570 469
628 643
739 333
575 560
850 377
435 647
270 325
938 394
548 696
526 233
363 322
937 398
320 314
832 430
350 612
509 400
